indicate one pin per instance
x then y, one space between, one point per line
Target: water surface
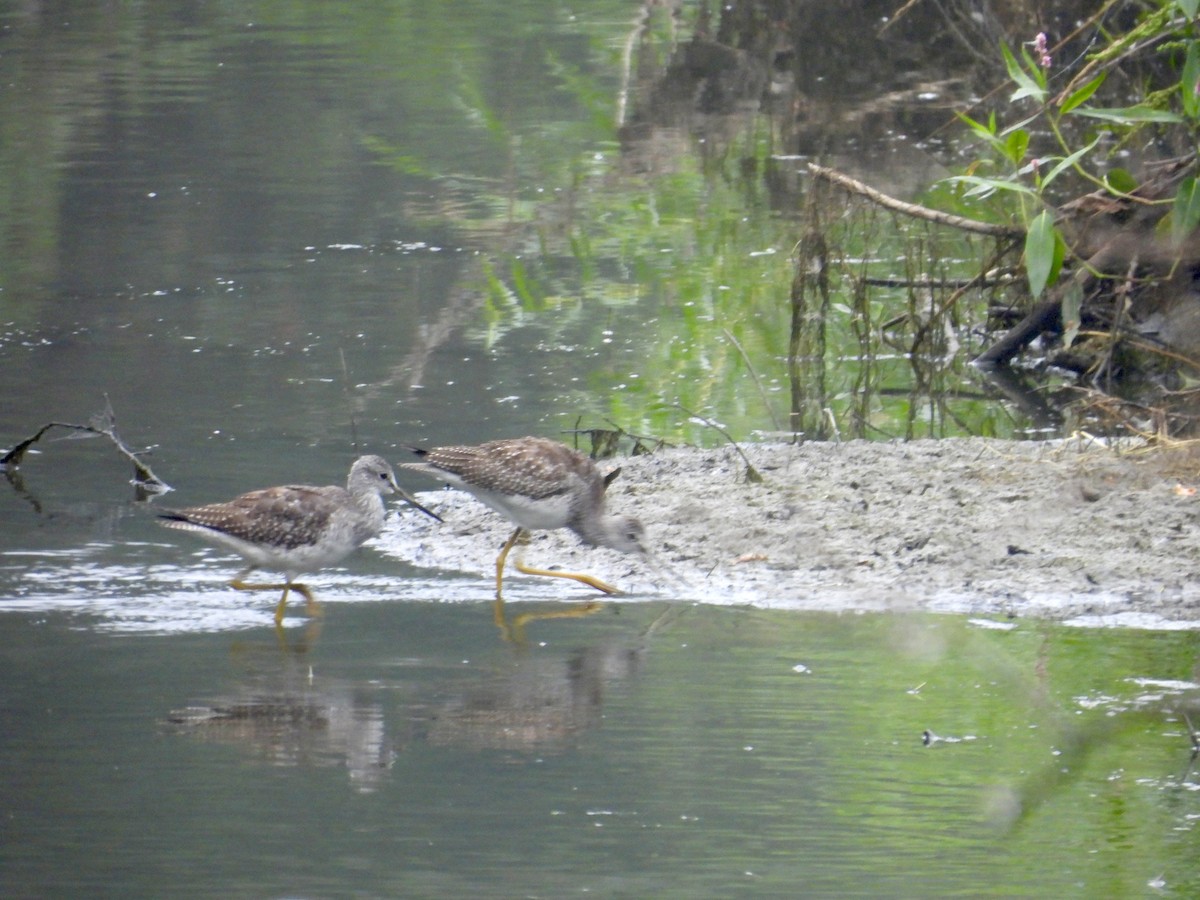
273 237
402 749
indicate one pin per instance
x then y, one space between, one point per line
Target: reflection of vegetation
676 249
657 273
1053 753
710 266
296 91
693 226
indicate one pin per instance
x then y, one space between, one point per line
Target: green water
275 235
647 750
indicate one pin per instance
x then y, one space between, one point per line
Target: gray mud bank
1070 530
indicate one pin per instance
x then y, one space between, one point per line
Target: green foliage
1082 94
1187 83
1120 181
1132 115
1072 304
1185 213
1044 249
1023 175
1030 78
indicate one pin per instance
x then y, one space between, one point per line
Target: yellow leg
519 565
311 606
516 631
500 560
498 608
590 580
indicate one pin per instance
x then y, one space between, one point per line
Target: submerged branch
102 425
927 283
604 442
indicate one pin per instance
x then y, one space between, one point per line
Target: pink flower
1040 50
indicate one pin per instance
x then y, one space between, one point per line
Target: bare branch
912 209
103 424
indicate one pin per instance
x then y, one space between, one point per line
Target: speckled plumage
297 527
537 483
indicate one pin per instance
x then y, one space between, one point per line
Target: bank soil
1073 530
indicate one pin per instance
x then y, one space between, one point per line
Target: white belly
549 513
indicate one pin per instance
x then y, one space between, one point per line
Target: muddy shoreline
1070 530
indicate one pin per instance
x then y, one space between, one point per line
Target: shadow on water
282 712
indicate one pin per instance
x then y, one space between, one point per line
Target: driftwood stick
12 459
912 209
102 425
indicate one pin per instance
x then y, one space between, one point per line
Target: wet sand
1070 530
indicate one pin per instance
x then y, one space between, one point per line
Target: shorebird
296 528
538 484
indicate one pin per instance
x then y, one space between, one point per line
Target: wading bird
296 528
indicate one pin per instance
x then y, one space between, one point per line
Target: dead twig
751 473
103 424
604 440
754 375
977 282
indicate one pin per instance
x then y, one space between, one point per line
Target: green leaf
1188 7
985 132
1026 85
978 127
1016 126
1040 246
1068 161
1131 115
985 187
1189 79
1084 92
1120 181
1185 213
1072 303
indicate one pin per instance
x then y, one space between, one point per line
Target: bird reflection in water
288 717
513 630
540 705
293 719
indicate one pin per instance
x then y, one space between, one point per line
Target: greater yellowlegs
296 528
537 484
